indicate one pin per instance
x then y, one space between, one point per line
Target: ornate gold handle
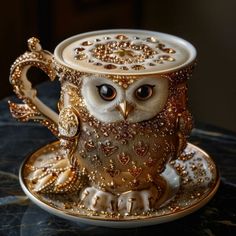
34 108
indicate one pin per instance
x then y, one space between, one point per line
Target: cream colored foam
184 52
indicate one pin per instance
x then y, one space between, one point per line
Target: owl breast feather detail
125 155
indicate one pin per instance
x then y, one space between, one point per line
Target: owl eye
144 92
107 92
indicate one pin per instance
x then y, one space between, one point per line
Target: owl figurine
119 128
120 140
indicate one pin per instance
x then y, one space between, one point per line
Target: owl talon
44 183
55 177
37 174
62 164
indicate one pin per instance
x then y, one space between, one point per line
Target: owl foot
139 201
98 200
127 203
55 176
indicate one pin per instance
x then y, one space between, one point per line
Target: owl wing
185 123
61 174
69 127
184 126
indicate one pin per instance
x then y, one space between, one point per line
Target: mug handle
33 108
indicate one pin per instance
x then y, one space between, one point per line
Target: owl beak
124 108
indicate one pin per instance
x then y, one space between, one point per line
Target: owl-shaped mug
123 115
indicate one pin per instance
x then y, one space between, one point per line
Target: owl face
109 102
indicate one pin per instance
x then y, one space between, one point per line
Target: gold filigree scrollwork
33 109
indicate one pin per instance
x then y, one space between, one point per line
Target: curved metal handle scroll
33 108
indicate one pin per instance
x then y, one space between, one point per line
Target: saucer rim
120 223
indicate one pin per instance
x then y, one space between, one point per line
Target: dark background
210 25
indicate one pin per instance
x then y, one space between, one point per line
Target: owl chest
123 148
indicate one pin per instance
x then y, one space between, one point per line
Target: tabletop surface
19 216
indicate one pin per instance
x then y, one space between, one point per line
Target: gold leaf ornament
22 112
68 124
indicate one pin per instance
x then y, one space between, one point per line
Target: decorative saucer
192 180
